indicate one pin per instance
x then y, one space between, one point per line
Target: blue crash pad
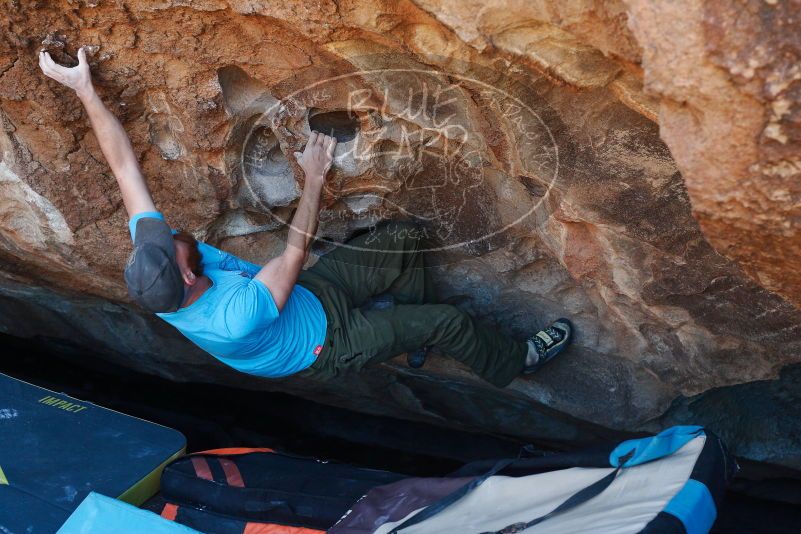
55 450
99 514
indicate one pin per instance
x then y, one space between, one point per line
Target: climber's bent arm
111 136
281 273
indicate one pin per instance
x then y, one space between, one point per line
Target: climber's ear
189 277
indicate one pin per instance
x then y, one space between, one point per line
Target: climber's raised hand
77 78
317 157
108 131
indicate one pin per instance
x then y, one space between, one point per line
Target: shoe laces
555 333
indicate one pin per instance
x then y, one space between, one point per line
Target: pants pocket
354 361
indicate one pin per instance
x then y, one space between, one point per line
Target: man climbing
278 320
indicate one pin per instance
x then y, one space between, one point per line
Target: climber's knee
449 318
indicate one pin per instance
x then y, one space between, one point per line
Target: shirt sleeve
142 215
250 307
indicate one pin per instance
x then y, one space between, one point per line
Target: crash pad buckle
514 528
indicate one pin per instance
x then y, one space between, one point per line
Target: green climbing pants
389 259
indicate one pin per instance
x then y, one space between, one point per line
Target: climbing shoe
546 344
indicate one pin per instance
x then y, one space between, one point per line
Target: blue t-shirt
236 319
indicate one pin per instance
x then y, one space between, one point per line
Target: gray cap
153 278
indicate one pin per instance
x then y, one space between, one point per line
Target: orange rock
522 135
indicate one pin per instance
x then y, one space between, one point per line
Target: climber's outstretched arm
110 135
281 273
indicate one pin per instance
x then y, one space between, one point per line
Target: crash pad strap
436 507
578 498
170 511
232 474
202 468
231 451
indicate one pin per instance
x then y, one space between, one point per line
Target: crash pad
98 514
55 450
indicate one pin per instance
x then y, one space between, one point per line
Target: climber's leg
375 336
386 259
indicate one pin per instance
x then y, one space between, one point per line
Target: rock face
729 76
550 181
